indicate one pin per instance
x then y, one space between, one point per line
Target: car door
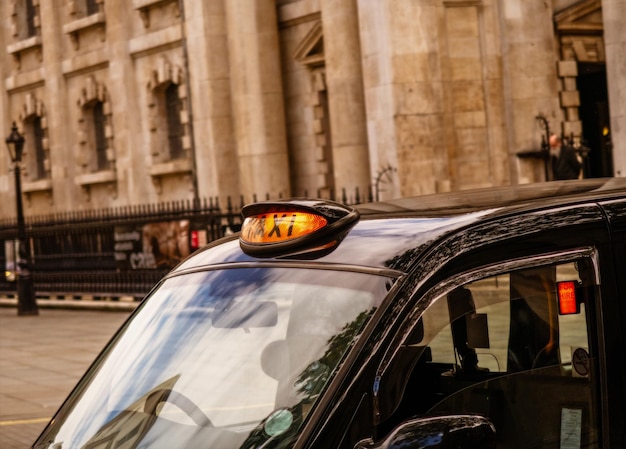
616 324
517 334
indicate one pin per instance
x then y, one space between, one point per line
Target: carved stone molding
310 51
144 7
16 49
75 27
580 32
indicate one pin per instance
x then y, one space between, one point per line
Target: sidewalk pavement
42 358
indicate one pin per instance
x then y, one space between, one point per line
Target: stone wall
615 44
294 97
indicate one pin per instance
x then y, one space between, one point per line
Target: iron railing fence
118 252
113 252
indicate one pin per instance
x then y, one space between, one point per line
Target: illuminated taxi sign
281 228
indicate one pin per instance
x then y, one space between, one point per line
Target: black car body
490 318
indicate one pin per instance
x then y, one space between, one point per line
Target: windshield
224 359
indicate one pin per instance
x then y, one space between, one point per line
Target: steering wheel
181 401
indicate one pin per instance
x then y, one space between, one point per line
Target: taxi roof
507 197
388 230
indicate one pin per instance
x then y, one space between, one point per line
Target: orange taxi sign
298 226
280 227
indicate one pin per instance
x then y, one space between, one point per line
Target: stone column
613 13
405 95
60 131
6 206
122 87
346 100
209 70
257 97
530 81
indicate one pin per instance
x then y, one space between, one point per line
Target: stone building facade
124 102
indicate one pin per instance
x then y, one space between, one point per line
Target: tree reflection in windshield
309 384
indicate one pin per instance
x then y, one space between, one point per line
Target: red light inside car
568 303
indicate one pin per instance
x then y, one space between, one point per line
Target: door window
503 347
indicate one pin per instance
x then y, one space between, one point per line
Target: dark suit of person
566 164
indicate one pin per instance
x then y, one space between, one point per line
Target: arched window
36 150
173 106
99 135
83 8
25 13
169 116
35 135
91 7
95 128
30 18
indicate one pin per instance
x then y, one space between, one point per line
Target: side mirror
440 432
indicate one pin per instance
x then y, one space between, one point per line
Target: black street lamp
26 303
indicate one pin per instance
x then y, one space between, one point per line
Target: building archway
583 96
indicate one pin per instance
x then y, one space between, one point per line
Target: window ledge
26 44
41 185
84 23
100 177
171 168
142 4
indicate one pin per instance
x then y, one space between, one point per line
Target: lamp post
26 303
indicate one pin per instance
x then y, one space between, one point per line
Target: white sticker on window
571 425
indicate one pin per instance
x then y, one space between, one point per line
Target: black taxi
493 318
